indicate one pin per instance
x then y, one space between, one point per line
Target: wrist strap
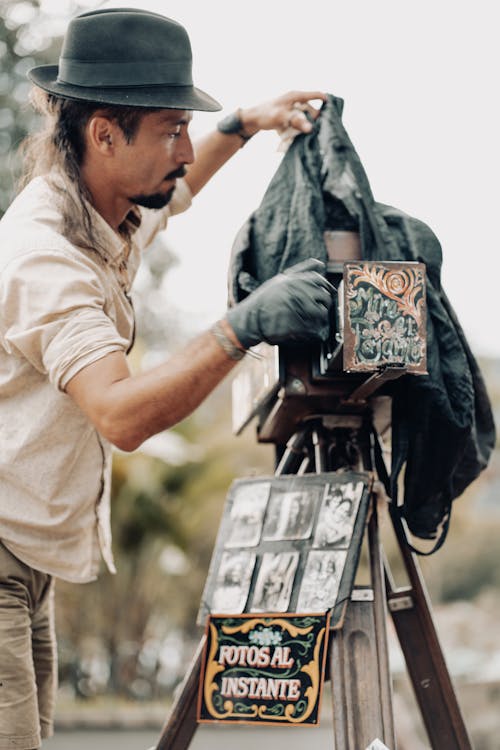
232 125
233 351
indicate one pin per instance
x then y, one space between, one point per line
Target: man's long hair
59 148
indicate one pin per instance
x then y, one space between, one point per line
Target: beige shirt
61 308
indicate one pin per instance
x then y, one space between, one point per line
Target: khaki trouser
28 662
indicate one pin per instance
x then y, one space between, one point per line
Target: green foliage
26 39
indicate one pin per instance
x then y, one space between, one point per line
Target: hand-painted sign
384 316
263 669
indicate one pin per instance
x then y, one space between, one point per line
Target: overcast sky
420 84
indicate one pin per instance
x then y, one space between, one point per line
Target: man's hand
288 114
292 306
287 111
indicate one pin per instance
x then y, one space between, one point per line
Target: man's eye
174 135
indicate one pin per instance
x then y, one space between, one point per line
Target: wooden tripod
358 653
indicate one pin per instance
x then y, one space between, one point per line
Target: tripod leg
354 673
292 455
434 691
181 724
380 617
359 666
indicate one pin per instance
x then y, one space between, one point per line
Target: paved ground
101 740
206 738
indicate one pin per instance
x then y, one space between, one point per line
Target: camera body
378 334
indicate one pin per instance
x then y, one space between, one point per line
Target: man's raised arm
213 150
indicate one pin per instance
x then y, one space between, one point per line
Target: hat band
124 74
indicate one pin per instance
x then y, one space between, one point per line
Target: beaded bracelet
233 351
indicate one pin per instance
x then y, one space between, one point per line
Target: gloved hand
292 306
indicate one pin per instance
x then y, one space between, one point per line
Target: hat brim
164 97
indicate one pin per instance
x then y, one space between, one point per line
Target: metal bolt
295 384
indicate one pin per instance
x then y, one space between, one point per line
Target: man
114 162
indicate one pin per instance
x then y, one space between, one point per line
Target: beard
158 200
154 200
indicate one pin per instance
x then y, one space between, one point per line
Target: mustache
177 173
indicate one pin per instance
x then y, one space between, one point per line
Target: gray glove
292 306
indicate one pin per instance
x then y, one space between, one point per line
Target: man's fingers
323 297
305 97
308 109
298 110
311 264
320 282
298 120
301 115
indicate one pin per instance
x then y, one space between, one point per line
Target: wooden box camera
378 333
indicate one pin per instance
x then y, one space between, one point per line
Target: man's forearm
127 409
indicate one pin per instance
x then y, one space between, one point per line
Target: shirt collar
116 245
112 246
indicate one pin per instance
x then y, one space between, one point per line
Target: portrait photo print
290 514
233 582
247 515
274 582
321 581
337 515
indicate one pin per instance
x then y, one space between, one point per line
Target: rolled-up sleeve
53 313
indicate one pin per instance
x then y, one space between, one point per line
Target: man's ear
101 134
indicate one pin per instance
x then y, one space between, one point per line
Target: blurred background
419 85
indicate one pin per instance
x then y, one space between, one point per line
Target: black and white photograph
290 514
281 538
233 582
247 515
275 582
321 581
338 515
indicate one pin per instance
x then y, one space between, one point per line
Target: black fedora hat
125 56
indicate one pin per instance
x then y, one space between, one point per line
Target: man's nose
185 152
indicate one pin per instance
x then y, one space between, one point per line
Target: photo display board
288 544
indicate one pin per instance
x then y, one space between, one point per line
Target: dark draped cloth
442 425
